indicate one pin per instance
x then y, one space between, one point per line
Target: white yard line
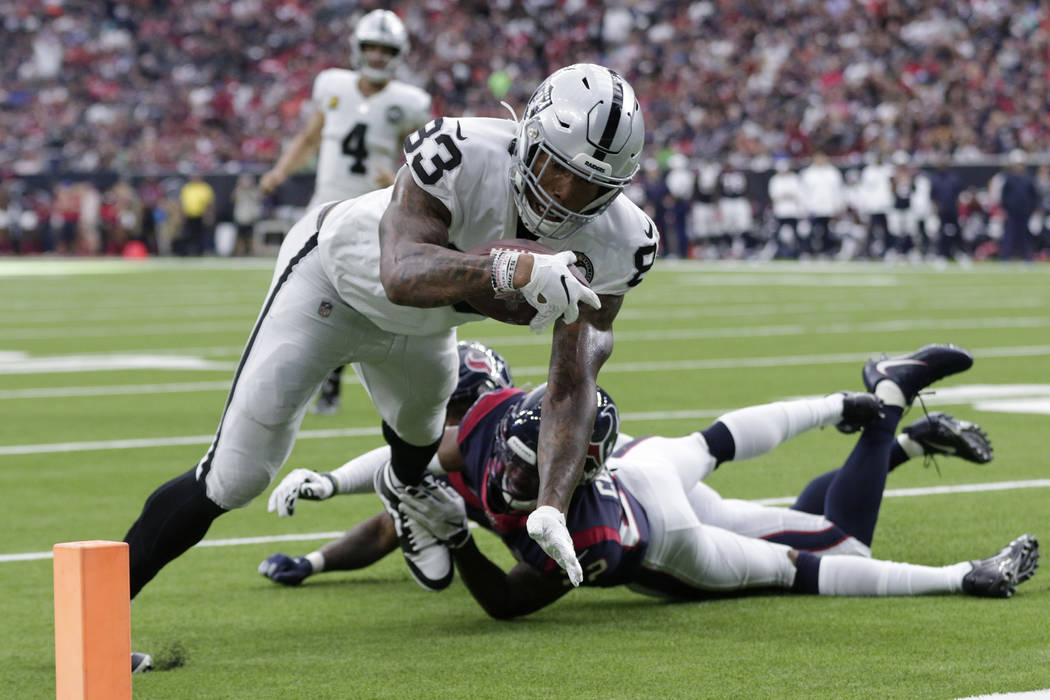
136 443
795 329
889 493
97 361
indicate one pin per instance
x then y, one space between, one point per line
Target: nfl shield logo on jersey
394 114
325 309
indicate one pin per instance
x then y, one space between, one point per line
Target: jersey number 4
354 146
447 155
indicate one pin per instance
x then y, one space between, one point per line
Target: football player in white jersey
377 282
360 118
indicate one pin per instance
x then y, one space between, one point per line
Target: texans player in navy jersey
633 522
494 449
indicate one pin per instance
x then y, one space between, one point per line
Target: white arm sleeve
356 476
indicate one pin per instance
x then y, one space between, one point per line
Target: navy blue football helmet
481 369
517 441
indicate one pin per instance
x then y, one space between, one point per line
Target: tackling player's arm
416 267
578 351
504 595
303 145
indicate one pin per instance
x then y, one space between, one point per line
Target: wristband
331 478
504 263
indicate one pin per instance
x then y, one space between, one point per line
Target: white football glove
300 483
441 511
546 525
561 291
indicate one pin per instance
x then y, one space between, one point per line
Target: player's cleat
998 576
916 371
428 559
140 663
326 405
942 434
281 568
858 410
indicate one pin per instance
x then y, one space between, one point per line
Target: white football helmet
586 118
384 28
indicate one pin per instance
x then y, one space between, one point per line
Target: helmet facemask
547 217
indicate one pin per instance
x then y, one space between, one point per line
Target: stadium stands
152 88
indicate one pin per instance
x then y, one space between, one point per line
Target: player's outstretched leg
933 434
995 577
852 495
175 517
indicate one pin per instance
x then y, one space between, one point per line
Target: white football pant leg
754 520
704 557
688 456
758 429
411 385
304 331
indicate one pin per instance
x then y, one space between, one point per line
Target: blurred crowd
153 88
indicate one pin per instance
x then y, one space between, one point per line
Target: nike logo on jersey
884 365
459 132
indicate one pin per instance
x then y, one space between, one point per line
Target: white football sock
856 576
890 393
758 429
911 448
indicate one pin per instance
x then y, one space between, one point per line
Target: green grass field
113 376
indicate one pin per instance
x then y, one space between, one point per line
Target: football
511 309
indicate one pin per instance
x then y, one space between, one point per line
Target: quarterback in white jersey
362 133
374 282
360 117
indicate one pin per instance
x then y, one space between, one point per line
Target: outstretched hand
546 525
300 483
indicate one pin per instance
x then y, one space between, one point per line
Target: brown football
512 309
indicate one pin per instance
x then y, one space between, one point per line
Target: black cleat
916 371
140 663
998 576
941 434
858 410
429 561
281 568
